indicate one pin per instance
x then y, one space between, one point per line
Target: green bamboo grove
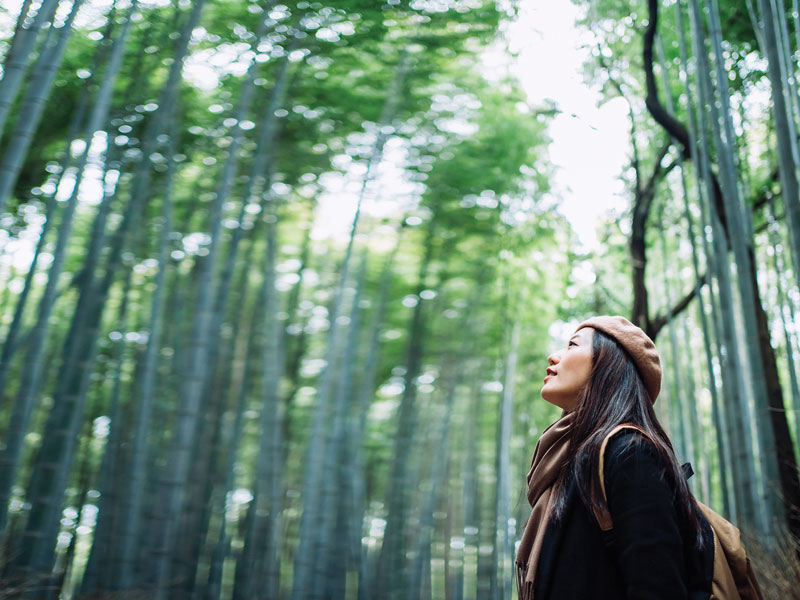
279 281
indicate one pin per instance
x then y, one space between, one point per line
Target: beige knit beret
639 346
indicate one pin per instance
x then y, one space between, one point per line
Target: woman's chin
549 396
557 399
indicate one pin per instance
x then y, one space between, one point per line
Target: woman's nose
553 359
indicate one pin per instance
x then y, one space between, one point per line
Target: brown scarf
548 458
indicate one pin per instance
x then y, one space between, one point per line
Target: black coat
650 553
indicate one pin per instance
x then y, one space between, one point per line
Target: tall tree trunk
32 107
100 564
440 438
723 443
783 302
132 517
260 556
391 572
742 244
55 454
366 395
337 488
503 540
201 483
675 390
787 71
18 57
61 579
11 343
747 500
252 345
789 487
786 142
176 338
454 544
23 405
471 487
689 407
20 33
297 340
307 549
222 547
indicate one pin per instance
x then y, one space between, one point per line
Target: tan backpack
733 577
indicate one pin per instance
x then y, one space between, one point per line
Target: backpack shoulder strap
604 516
733 575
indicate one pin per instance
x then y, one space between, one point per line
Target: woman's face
569 370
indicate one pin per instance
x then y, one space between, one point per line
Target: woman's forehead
583 334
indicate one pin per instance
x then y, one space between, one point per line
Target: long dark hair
616 394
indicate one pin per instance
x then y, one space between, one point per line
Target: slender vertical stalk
503 540
336 495
366 395
781 486
54 459
685 445
130 529
391 571
103 549
222 547
441 438
694 448
21 30
262 540
471 489
744 475
777 263
23 404
33 106
11 343
787 145
17 60
196 514
788 74
723 444
306 552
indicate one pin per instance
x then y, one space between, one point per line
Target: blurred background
279 280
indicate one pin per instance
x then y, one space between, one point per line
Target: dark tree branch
674 127
638 248
644 191
657 323
671 125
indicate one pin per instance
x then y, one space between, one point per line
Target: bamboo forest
280 279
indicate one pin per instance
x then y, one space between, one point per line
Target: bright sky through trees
590 143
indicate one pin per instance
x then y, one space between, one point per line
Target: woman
609 374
